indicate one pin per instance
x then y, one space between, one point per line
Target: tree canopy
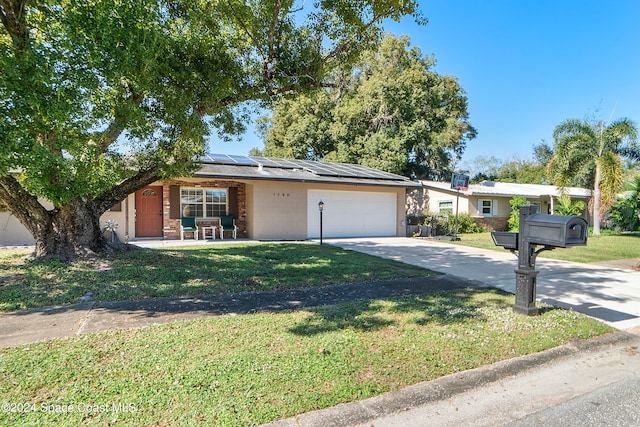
100 98
515 169
392 112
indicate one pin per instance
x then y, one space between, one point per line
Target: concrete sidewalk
609 294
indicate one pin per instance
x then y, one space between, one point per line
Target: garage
351 214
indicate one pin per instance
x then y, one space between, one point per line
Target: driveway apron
609 294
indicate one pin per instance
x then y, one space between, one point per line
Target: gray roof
262 168
509 189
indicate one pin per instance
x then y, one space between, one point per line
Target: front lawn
602 248
252 369
189 271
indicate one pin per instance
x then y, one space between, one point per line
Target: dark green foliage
446 224
466 224
625 212
566 206
391 112
514 218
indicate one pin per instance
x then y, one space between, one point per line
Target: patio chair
227 223
188 225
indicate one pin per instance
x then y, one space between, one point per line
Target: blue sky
526 66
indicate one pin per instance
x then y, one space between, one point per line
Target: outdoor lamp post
320 208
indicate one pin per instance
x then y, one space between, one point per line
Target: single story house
270 199
488 202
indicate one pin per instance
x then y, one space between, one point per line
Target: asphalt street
613 405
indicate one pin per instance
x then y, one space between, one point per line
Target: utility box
556 230
506 239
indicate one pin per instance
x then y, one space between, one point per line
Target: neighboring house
270 199
488 202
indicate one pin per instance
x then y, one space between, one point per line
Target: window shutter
233 202
174 202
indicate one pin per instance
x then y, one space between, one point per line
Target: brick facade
492 223
171 227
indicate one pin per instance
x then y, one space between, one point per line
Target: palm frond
621 137
612 168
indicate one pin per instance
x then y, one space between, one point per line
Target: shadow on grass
455 306
364 316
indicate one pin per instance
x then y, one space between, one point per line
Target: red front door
149 212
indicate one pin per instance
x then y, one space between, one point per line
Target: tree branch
115 129
130 185
22 205
272 28
13 17
244 27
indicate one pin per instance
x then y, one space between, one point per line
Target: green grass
252 369
602 248
193 271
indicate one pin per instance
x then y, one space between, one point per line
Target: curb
366 411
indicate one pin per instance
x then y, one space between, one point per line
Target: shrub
466 224
624 214
566 207
445 224
416 219
514 218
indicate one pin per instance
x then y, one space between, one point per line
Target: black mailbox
506 239
550 231
556 230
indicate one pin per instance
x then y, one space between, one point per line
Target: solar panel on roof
229 159
318 168
291 163
263 161
344 170
242 160
216 158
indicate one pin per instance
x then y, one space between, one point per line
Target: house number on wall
281 194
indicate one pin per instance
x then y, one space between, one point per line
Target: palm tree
591 155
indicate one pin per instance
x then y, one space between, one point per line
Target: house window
203 202
486 207
445 207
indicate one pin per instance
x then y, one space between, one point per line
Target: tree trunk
72 231
596 200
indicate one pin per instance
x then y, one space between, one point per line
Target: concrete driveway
609 294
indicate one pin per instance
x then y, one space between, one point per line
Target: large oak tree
99 98
393 112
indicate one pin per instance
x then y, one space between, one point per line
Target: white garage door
351 214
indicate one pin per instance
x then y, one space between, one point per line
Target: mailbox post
526 272
548 231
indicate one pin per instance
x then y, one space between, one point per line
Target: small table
212 228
